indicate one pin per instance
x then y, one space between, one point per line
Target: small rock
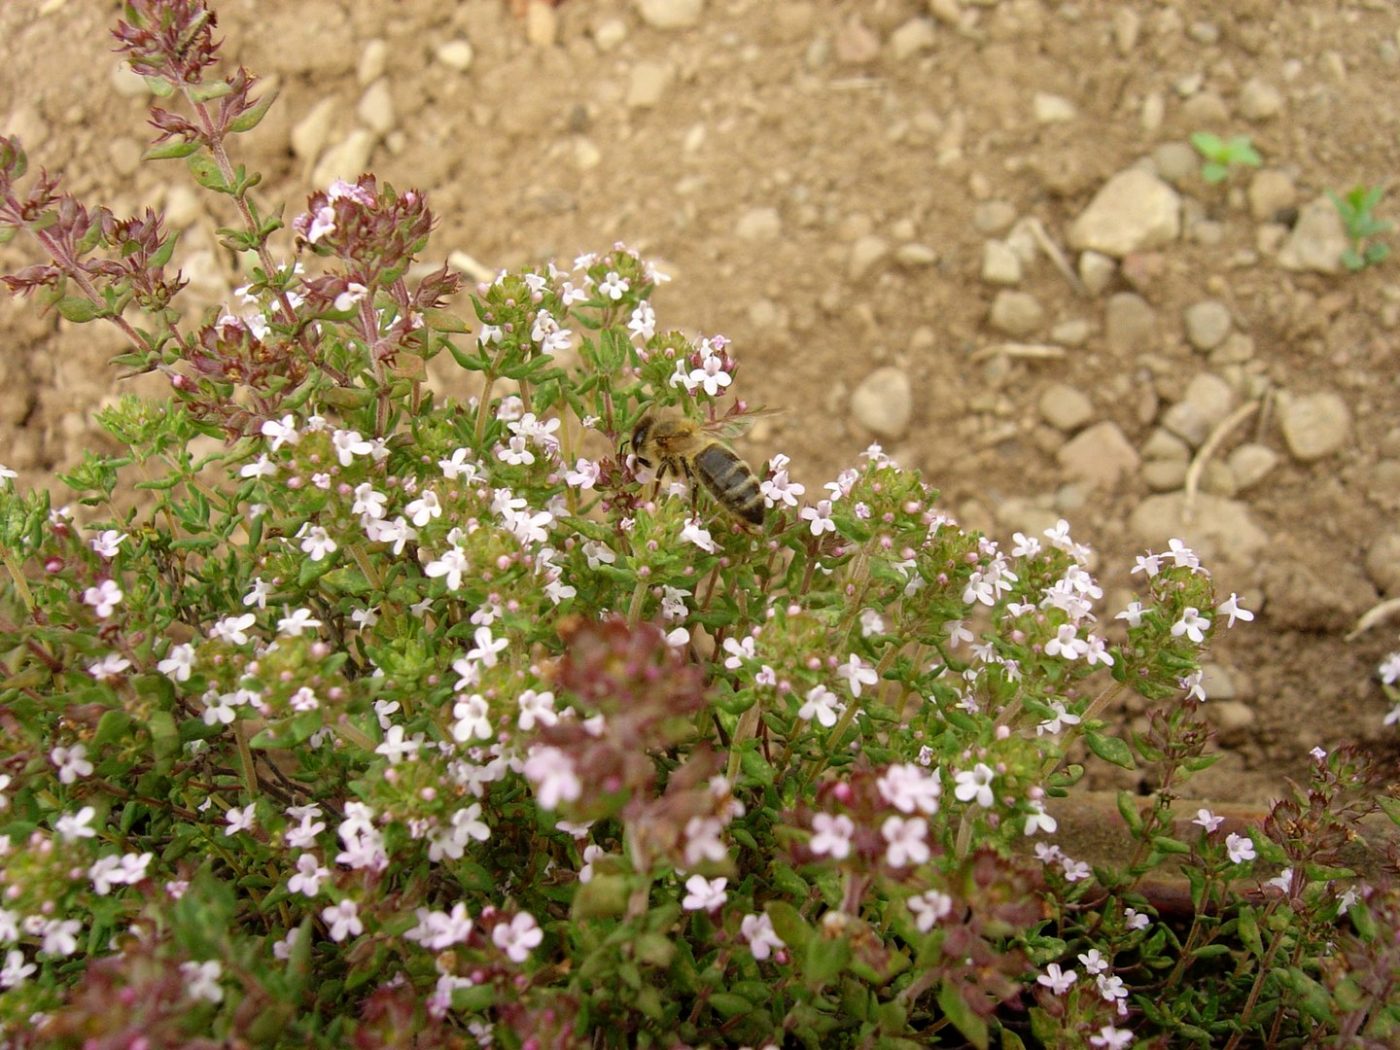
1186 421
1176 161
1383 564
1096 270
1219 527
376 108
993 216
1314 425
1134 211
1212 398
1205 110
310 133
374 59
1317 241
647 84
1232 718
1074 332
1235 350
1018 314
1052 109
1130 323
587 155
1154 111
914 254
182 207
856 44
1270 193
125 154
1164 475
759 224
1000 264
1065 408
455 54
1099 456
670 14
1219 684
1127 24
541 23
912 37
1204 32
1163 444
1260 100
883 403
128 83
1207 324
608 33
347 159
1251 463
866 253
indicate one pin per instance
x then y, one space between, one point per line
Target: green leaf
111 728
76 309
1127 809
726 1004
207 173
1248 929
171 151
1110 749
973 1028
825 959
788 924
251 119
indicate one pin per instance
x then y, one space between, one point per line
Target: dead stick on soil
1056 256
1373 616
1033 351
1198 465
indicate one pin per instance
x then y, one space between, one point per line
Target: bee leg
694 492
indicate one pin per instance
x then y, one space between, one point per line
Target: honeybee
681 446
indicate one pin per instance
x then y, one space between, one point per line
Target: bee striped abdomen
731 482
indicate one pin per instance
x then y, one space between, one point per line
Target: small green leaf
973 1028
726 1004
174 150
825 959
111 728
251 119
76 309
1110 749
207 173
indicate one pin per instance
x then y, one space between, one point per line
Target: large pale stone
1135 211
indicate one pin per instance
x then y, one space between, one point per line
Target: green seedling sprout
1223 156
1358 212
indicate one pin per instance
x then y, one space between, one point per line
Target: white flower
202 980
762 939
909 788
1239 848
929 908
552 773
103 598
832 835
821 705
518 937
76 826
343 920
310 873
704 894
1192 624
452 566
536 708
424 509
1230 607
106 543
1038 820
297 621
71 762
905 837
487 647
349 444
473 719
613 286
975 783
240 819
280 432
819 516
857 672
695 533
232 629
15 970
316 542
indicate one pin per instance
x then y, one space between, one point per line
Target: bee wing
733 426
